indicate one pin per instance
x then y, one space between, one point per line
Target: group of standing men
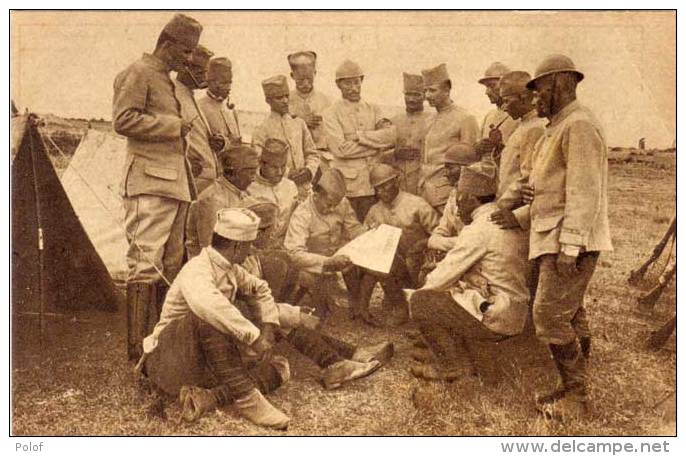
498 222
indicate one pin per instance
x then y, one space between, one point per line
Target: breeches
155 228
558 311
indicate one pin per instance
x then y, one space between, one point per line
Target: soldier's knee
423 304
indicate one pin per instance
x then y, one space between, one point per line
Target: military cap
382 173
237 224
266 211
275 152
219 67
239 157
201 55
461 154
348 69
302 58
556 63
413 83
276 86
333 182
478 179
183 30
435 75
514 83
495 71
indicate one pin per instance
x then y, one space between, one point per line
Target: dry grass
80 384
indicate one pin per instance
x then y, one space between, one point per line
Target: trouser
446 326
392 285
320 286
361 205
155 228
279 272
190 351
558 312
315 346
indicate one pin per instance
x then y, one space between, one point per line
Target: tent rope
115 217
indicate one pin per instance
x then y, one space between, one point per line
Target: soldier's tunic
199 150
292 131
302 105
449 126
157 183
284 195
569 211
515 159
494 117
202 214
220 118
411 129
342 120
206 289
444 236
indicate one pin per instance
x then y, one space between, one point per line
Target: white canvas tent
92 182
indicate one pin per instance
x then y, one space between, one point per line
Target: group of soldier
232 246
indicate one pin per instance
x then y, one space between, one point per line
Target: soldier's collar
213 96
530 115
227 183
217 258
264 181
566 111
156 63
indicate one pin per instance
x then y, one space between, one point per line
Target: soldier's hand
484 148
566 265
217 142
505 219
527 193
262 346
308 319
495 136
185 128
337 263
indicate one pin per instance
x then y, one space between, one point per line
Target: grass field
79 383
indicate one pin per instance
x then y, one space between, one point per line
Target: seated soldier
479 291
238 168
197 349
341 361
319 226
417 219
271 185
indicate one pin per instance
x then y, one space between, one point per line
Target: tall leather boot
140 296
571 364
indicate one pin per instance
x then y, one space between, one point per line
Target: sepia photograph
343 223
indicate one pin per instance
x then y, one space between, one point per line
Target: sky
64 63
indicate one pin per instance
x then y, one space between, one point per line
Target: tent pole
41 271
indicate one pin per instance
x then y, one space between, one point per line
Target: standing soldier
451 125
344 121
239 167
305 102
569 224
220 115
411 128
303 158
271 185
496 117
201 145
157 182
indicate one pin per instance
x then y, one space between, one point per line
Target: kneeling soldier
197 348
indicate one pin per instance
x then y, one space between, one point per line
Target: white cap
237 224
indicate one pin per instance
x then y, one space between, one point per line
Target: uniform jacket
411 129
449 226
449 126
342 122
202 214
494 117
198 138
515 159
301 106
312 237
487 265
220 118
293 131
207 286
409 212
569 176
146 111
284 195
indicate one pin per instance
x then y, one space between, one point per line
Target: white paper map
375 249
